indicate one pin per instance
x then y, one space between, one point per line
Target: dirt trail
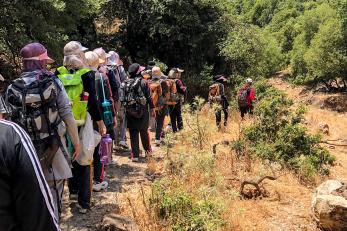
122 176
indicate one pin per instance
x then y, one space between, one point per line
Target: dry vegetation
193 184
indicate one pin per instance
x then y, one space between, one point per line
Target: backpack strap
63 70
82 71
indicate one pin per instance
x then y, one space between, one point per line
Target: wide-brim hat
35 51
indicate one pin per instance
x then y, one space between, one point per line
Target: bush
278 136
182 211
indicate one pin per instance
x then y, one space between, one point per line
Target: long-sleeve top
26 201
181 89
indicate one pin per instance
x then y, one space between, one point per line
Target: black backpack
133 98
33 106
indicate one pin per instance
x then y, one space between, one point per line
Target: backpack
156 93
170 92
74 88
34 108
133 98
104 94
214 93
242 97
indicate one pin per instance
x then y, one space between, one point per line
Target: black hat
221 78
133 68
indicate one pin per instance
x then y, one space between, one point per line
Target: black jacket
26 203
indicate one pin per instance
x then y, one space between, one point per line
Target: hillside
285 204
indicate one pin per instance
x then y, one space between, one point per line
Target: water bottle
105 149
107 113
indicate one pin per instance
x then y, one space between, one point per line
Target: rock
115 222
324 127
329 205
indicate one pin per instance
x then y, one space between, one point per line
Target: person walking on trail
41 113
26 201
157 86
218 98
116 71
79 81
176 110
104 94
3 108
136 98
246 96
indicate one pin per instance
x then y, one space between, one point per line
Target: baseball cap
35 51
74 47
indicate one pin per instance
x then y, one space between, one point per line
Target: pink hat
35 51
141 69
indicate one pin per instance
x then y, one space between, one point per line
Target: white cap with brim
73 48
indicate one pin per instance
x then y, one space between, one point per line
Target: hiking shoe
97 187
135 159
123 144
82 211
157 143
73 197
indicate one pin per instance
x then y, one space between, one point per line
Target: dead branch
256 185
327 142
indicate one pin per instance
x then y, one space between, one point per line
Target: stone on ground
329 205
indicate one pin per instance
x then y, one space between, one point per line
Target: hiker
26 201
115 68
157 86
176 110
217 96
136 98
3 108
106 106
41 114
246 97
79 81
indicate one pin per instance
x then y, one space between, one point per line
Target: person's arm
180 87
88 80
26 201
252 94
114 80
65 113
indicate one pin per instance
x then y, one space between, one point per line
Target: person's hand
152 113
102 127
77 151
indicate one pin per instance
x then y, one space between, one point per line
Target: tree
325 58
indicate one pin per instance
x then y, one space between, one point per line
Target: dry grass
287 206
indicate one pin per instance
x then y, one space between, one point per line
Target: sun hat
112 58
35 51
73 48
156 72
92 59
101 53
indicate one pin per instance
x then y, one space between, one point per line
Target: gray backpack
33 106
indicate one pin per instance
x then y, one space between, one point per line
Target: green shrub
278 136
182 211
